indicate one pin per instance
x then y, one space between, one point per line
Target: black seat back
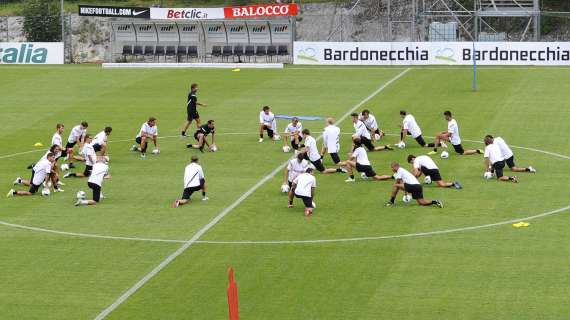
249 50
238 50
271 50
193 51
216 51
283 50
261 51
170 50
159 50
138 50
127 49
148 50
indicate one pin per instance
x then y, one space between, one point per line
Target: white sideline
192 65
222 214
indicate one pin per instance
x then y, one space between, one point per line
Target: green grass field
493 272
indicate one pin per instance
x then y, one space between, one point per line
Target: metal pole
63 28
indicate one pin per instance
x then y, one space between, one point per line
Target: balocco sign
186 13
243 12
261 11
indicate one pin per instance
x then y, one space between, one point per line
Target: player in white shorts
99 173
148 131
410 128
304 186
425 165
194 180
100 141
312 154
268 123
76 136
509 155
90 157
295 167
40 176
494 160
410 185
369 121
365 138
359 160
451 135
331 141
293 131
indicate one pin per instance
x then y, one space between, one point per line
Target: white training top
56 139
89 153
98 173
370 123
296 168
505 149
453 128
424 161
41 170
76 133
361 156
148 130
313 152
266 119
405 176
331 138
360 129
304 182
493 153
412 126
192 175
100 138
292 129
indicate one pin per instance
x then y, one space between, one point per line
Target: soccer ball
407 198
155 151
445 155
314 205
64 167
427 180
80 195
286 149
363 176
213 148
377 136
285 188
45 192
488 175
401 145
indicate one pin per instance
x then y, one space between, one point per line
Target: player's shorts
367 143
269 130
420 140
290 183
189 191
63 153
511 162
196 135
70 145
458 148
335 157
87 171
307 201
34 188
296 145
192 115
368 171
432 173
97 147
498 168
415 190
96 191
318 165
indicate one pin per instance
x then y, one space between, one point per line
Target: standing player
331 141
295 167
90 159
362 132
77 135
200 136
95 182
509 156
304 188
359 160
293 131
494 160
194 180
100 141
148 131
192 109
451 135
268 123
410 127
57 140
409 184
313 154
370 122
40 175
425 165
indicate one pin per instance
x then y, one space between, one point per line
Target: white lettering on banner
186 13
432 53
253 11
31 53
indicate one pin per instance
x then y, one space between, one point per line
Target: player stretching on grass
410 128
40 175
293 131
201 134
192 109
509 156
100 141
359 160
370 122
268 123
90 159
194 180
99 173
295 167
304 188
331 141
148 131
409 184
425 165
362 132
494 160
313 155
77 135
451 135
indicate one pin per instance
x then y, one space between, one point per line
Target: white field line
222 214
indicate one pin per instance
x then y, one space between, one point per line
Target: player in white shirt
76 136
425 165
148 131
362 131
95 183
40 176
410 128
313 155
509 156
451 135
293 131
100 141
358 159
410 185
370 122
57 140
194 180
303 188
494 160
295 167
90 157
268 123
331 141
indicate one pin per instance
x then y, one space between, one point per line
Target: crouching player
201 134
509 156
359 160
304 188
194 180
268 123
425 165
495 162
90 158
295 167
313 155
99 172
148 131
293 131
410 185
40 175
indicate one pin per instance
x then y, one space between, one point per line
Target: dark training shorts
368 171
96 191
415 190
189 191
307 201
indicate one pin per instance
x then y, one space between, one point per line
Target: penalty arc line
127 294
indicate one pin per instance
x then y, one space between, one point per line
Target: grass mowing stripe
222 214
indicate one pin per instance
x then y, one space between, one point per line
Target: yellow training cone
38 144
236 70
521 224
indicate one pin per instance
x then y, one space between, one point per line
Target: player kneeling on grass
100 141
451 135
313 155
99 173
410 185
359 160
362 132
90 159
268 123
77 135
331 141
304 188
425 165
295 167
194 180
40 175
494 161
201 134
148 131
293 131
370 122
509 156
